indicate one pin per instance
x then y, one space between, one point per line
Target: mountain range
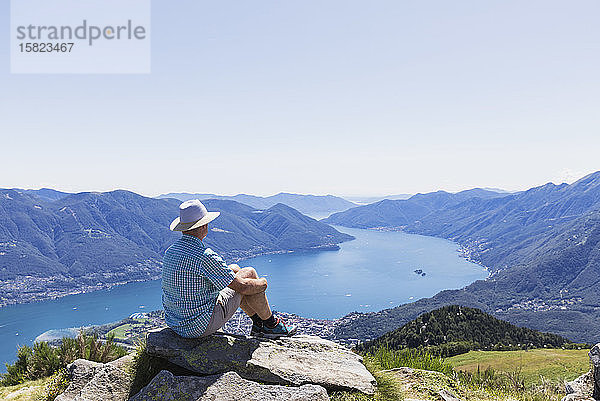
389 213
542 247
52 245
365 200
312 205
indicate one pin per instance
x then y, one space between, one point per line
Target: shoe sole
267 335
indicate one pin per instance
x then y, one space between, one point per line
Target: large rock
294 360
225 387
92 381
585 387
594 355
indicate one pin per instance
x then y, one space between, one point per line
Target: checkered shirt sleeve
215 269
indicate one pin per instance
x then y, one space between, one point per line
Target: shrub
44 360
90 348
56 386
17 372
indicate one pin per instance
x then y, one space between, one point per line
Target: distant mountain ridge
399 213
365 200
541 245
46 194
317 205
91 240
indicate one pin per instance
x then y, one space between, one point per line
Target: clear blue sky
342 97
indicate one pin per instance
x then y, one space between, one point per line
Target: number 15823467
46 47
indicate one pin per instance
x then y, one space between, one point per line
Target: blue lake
373 272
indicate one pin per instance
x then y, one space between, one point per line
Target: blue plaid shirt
192 277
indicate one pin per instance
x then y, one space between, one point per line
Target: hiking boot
255 330
280 330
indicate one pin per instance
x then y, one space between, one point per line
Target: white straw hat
192 214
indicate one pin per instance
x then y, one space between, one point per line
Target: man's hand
234 267
246 282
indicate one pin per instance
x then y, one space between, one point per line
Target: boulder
576 397
447 395
594 355
225 387
294 360
90 381
583 385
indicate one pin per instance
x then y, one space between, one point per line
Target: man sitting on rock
201 292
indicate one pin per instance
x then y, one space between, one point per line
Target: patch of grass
26 391
131 331
551 364
490 384
387 387
410 358
119 332
144 367
428 375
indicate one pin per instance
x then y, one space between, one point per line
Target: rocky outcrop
587 386
291 361
225 387
595 359
92 381
580 389
224 367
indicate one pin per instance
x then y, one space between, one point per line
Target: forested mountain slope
472 327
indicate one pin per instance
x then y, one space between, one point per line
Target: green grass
410 358
505 378
120 332
387 388
552 364
27 391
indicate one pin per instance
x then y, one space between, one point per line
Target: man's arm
248 286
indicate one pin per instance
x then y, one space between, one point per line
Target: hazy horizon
571 180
